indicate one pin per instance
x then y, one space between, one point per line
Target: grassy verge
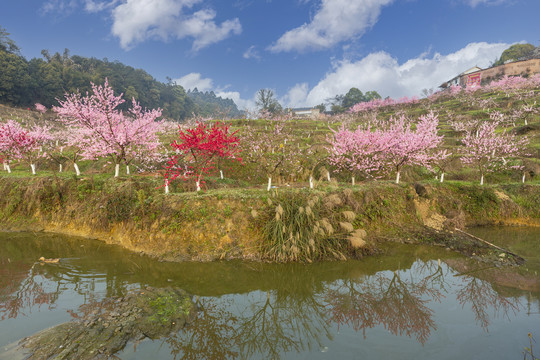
287 224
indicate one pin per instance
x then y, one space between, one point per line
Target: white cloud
93 6
334 22
251 53
383 73
296 96
64 7
195 80
242 104
137 20
475 3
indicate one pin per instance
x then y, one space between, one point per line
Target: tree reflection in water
211 336
269 326
291 310
21 288
399 305
281 321
481 295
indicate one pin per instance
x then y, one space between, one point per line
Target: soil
104 328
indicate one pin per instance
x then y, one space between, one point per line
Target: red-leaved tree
198 149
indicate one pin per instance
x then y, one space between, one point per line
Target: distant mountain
210 105
43 80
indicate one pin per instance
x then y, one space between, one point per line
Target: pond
413 302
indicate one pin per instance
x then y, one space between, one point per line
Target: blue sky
304 50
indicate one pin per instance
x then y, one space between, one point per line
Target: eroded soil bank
228 223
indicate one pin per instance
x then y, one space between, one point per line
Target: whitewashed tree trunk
60 167
117 170
198 183
33 167
8 169
61 149
77 171
526 122
221 174
328 176
397 177
269 183
523 178
127 170
352 181
5 165
166 188
442 177
482 180
311 182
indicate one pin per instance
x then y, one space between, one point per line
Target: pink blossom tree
489 150
362 152
99 129
372 148
17 143
41 108
406 146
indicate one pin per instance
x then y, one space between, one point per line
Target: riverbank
242 223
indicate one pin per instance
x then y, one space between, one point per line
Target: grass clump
305 226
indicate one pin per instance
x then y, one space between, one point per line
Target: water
412 303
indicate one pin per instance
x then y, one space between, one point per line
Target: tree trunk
198 183
523 178
33 167
127 170
397 177
482 179
117 170
221 174
60 167
352 181
269 183
328 176
8 169
77 171
310 182
166 188
442 177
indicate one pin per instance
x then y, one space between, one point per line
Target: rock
421 190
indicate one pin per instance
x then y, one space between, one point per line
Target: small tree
198 149
17 143
272 149
359 151
267 102
490 151
412 147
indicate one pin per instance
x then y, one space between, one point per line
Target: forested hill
208 104
42 80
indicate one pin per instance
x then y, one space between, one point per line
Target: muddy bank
104 328
228 223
